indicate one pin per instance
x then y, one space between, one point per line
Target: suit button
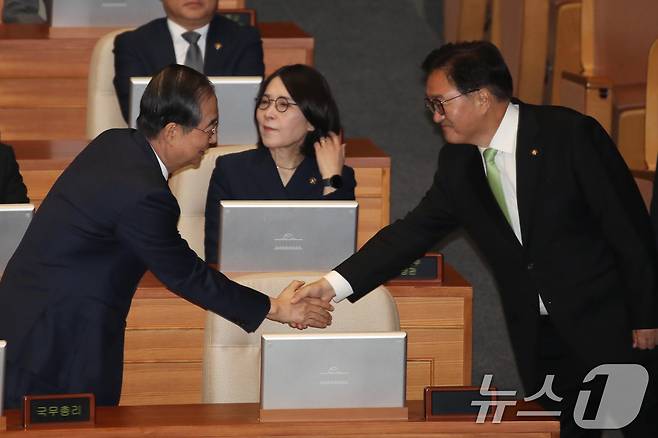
530 266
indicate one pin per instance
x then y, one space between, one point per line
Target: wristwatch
335 181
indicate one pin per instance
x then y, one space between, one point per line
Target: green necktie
493 177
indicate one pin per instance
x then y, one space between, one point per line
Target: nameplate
427 269
453 402
57 411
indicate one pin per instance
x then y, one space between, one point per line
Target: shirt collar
504 140
177 30
163 168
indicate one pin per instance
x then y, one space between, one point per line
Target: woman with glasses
300 154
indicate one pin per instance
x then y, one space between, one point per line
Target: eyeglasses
211 132
435 105
280 103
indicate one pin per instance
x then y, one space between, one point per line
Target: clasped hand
303 312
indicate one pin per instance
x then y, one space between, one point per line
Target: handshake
302 306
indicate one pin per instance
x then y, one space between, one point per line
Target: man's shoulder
228 28
145 30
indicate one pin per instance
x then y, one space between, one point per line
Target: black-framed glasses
280 103
210 133
435 105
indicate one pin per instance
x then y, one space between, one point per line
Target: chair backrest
231 359
564 44
190 187
651 121
103 110
615 38
464 20
519 28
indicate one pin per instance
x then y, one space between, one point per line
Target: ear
484 98
170 131
309 127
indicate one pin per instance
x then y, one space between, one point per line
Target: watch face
336 181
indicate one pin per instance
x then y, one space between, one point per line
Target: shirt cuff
341 286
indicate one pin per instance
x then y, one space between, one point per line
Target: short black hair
173 95
472 65
311 92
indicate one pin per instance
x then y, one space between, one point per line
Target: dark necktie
193 57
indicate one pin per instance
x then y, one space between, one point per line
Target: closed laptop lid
236 101
14 220
333 370
103 13
266 236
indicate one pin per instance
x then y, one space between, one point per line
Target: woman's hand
330 155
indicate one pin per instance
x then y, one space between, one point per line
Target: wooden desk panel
241 420
43 74
41 163
165 335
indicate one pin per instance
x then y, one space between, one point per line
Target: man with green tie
550 203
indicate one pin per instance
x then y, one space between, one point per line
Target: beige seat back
519 28
190 187
464 20
103 111
645 185
231 359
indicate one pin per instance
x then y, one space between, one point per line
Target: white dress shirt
181 45
504 141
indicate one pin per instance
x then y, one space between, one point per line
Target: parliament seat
651 115
103 110
464 20
563 45
190 187
231 359
519 28
610 86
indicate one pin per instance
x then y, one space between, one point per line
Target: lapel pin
218 45
312 180
534 152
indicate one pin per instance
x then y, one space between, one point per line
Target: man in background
67 290
192 34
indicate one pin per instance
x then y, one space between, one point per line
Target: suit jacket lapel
266 176
214 41
529 160
163 54
476 177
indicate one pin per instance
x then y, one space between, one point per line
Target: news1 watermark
625 386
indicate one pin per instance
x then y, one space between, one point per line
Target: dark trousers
556 358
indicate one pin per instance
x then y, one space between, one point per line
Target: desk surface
241 420
57 154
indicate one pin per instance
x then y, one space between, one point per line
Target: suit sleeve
345 193
616 203
148 228
218 190
396 246
127 63
250 62
13 188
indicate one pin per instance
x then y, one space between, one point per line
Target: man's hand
311 312
320 289
645 339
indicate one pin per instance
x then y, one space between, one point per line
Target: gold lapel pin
534 152
312 180
218 45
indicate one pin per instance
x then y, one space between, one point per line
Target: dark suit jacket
252 175
12 189
587 245
149 48
67 290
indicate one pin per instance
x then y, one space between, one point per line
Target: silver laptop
14 220
236 99
266 236
333 370
103 13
